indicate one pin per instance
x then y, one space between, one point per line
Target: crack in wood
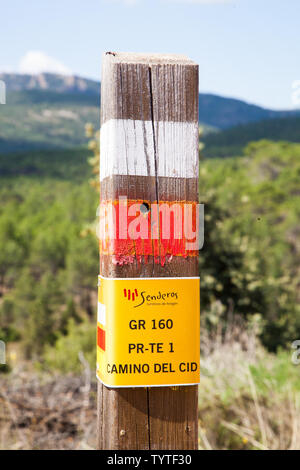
159 89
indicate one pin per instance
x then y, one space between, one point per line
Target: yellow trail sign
148 332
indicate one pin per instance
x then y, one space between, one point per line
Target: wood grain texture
174 145
149 88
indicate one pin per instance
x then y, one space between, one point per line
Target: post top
150 59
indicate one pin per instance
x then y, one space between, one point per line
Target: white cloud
35 62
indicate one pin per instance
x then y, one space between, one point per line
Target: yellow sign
148 332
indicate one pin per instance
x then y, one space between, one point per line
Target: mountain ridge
74 84
49 81
50 111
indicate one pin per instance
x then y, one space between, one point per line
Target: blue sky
247 49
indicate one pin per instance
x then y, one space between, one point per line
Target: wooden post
149 98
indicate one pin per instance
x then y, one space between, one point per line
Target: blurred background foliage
250 278
49 256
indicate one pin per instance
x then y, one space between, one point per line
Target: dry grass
242 406
47 412
248 399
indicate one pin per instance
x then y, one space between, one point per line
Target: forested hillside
231 142
49 261
249 268
250 282
49 111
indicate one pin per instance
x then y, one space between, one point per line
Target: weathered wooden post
149 156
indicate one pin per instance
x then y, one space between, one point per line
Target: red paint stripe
136 292
125 293
125 251
128 294
101 338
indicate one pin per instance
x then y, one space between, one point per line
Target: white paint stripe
127 148
101 314
143 278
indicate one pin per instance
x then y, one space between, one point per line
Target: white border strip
127 148
146 386
144 278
